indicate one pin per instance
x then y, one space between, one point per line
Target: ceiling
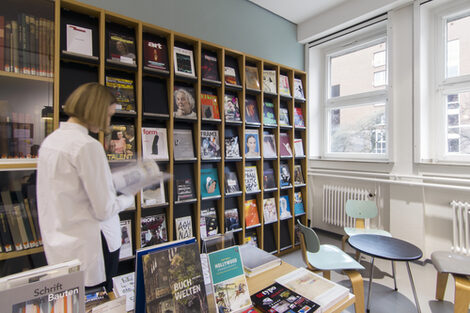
297 11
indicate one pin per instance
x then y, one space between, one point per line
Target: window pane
353 72
379 58
458 47
379 78
358 129
458 123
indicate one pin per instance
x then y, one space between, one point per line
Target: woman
77 203
251 146
184 104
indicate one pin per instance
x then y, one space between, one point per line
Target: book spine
51 48
14 47
21 226
31 191
12 221
24 216
32 44
7 63
25 44
41 46
2 42
30 221
7 241
20 44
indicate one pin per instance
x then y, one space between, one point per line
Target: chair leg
462 294
441 285
357 288
358 256
394 278
343 242
327 274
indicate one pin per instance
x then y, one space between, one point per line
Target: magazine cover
228 280
284 207
232 109
284 175
251 110
251 77
153 230
269 117
298 176
153 194
183 144
251 179
232 221
269 81
126 239
252 143
208 223
119 143
154 143
284 117
121 48
209 66
298 203
232 148
184 62
184 227
298 89
79 40
184 102
299 147
268 178
298 117
155 54
209 183
285 148
284 88
210 146
209 106
123 90
123 285
231 182
251 237
184 189
250 210
269 210
173 280
269 145
230 75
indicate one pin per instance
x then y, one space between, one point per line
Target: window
379 58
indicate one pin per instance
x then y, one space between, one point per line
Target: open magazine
131 178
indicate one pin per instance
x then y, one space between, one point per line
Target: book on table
124 286
256 260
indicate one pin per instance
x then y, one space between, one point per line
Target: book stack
256 261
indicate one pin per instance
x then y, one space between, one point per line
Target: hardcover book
269 116
232 221
298 89
154 143
209 183
269 145
269 210
230 75
153 194
251 179
209 106
251 77
284 117
184 189
173 280
79 40
298 176
123 90
232 109
284 175
184 103
126 239
269 81
298 147
209 66
268 178
156 54
298 203
232 148
251 110
184 227
284 88
285 148
121 48
210 146
256 260
250 210
231 182
153 230
119 144
228 280
298 117
183 144
252 143
184 62
284 207
208 223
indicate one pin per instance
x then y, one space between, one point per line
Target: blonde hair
89 103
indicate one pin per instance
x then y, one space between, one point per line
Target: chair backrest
310 238
361 208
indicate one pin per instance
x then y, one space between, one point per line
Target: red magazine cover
155 54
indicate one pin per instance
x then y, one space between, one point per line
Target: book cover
232 148
268 178
251 77
184 189
173 280
284 175
298 89
184 62
184 227
284 117
251 110
209 106
269 81
251 179
232 221
269 116
119 143
277 298
298 117
284 207
285 148
153 230
210 145
284 88
123 90
209 66
79 40
183 144
184 102
232 109
230 75
298 176
231 182
298 147
252 143
228 280
208 223
123 286
251 237
269 145
121 48
154 143
156 54
298 203
153 194
209 183
269 210
250 210
126 239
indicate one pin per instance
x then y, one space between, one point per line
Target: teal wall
236 24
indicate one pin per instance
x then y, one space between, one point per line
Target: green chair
327 258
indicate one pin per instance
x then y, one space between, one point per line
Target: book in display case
169 104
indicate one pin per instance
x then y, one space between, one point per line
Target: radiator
461 240
334 204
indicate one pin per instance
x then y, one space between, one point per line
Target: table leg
370 282
413 287
394 278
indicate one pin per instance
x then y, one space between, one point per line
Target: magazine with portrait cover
268 178
184 62
251 179
154 143
209 106
121 48
184 227
184 102
252 149
156 54
284 175
284 207
298 176
252 78
232 221
183 144
119 142
232 108
208 223
298 203
269 145
298 89
269 210
153 194
209 66
231 182
269 116
126 239
209 183
153 230
251 111
232 147
123 90
284 88
210 145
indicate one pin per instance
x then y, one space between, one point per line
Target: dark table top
383 247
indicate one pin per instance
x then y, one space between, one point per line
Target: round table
387 248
